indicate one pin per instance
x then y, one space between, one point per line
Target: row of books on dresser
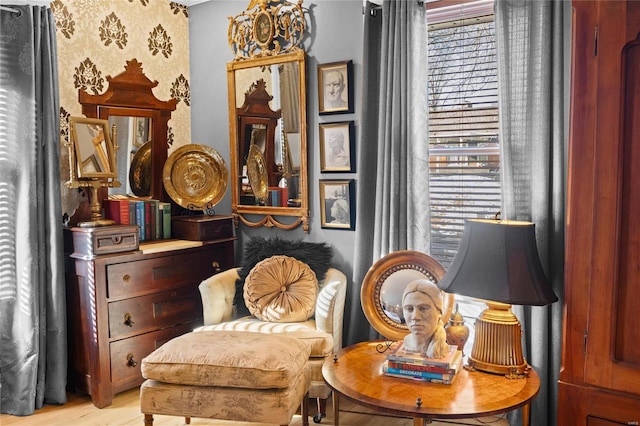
152 216
410 365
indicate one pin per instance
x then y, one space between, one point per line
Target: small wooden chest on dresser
201 227
122 306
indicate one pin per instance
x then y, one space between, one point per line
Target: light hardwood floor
125 411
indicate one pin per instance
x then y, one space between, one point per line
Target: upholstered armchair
322 331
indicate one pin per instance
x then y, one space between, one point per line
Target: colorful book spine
401 355
132 212
428 365
140 219
117 210
151 217
148 222
444 377
400 376
165 208
156 219
421 367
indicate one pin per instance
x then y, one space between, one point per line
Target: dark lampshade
498 261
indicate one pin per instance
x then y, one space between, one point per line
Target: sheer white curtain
393 159
533 57
33 341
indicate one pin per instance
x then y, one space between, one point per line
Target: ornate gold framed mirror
384 283
267 116
92 162
93 148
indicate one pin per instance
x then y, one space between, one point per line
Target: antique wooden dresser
123 305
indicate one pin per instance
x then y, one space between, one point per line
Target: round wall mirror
384 283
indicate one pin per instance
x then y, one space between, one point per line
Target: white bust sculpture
422 309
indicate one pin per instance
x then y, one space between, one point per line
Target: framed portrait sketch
335 87
337 204
337 147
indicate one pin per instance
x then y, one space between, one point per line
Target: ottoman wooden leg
187 420
148 420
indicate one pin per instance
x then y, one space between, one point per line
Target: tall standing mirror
268 116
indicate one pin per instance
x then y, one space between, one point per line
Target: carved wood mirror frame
130 94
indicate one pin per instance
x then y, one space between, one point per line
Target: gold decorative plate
140 171
195 177
257 171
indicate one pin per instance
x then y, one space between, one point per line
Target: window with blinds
463 123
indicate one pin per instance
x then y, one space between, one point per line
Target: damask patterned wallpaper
95 38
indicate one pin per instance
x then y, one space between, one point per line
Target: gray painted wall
336 31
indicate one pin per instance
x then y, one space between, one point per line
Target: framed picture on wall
337 204
335 87
337 147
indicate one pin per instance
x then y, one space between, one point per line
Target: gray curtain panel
33 341
393 159
533 79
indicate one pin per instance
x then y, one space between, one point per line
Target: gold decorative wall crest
266 28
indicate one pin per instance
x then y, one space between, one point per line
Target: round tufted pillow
281 289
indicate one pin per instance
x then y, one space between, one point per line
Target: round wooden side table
356 374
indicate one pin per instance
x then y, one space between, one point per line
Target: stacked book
411 365
152 216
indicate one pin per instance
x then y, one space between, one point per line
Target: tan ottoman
227 375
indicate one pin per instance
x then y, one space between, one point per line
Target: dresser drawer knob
126 278
216 267
128 320
130 361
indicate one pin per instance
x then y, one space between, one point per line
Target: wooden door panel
580 192
600 376
627 333
613 356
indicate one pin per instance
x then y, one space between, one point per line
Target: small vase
457 331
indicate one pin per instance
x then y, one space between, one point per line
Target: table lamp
498 262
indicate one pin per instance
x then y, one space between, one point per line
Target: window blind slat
463 138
